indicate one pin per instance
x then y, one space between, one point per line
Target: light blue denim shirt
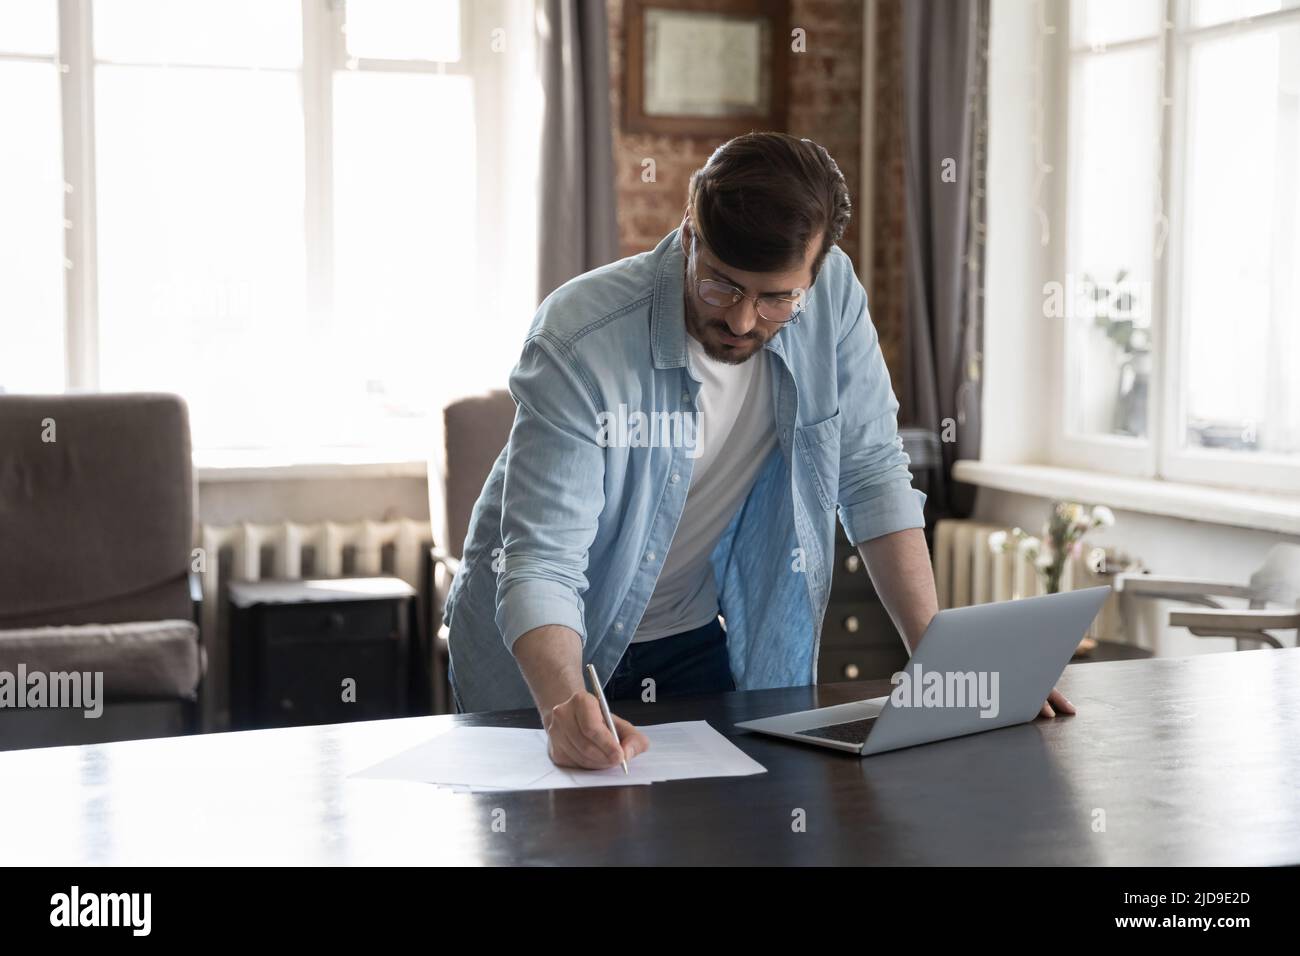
572 527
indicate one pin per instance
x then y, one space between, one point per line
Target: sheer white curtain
488 313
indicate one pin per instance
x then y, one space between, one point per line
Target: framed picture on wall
704 67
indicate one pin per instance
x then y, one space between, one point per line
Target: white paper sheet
508 758
470 756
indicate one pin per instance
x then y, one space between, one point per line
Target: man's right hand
550 658
578 736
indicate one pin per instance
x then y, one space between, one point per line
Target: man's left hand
1056 703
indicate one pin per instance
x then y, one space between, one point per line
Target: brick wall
825 104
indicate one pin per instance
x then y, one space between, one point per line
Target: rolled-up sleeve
552 497
876 496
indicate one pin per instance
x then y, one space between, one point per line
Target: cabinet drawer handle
851 624
851 671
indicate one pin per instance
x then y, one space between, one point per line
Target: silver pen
605 711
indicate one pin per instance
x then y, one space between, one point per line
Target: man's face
736 333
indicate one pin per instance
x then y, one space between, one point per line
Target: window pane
1107 289
405 245
29 26
217 32
1208 12
31 229
404 29
1241 269
201 277
1098 22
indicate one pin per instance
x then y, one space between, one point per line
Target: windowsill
1243 509
281 465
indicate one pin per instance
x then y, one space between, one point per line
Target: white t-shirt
737 431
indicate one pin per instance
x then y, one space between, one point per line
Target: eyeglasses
777 309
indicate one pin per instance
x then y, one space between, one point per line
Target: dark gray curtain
945 83
577 226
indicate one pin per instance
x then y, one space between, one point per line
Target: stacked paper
472 759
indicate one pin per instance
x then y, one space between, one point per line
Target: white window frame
324 53
1119 454
1204 465
1160 455
80 295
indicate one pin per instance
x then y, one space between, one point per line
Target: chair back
1278 579
96 509
470 437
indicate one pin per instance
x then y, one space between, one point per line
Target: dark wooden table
1184 761
1113 651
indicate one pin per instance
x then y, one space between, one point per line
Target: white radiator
257 551
967 571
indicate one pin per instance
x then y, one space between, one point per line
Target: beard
709 333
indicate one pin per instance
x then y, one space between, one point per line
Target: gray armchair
470 436
1277 582
96 526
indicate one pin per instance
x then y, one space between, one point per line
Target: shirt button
649 555
675 478
686 398
618 626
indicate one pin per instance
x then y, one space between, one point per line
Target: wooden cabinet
319 652
859 641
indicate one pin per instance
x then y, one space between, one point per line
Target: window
303 210
31 199
1182 256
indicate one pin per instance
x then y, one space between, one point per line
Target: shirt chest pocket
819 447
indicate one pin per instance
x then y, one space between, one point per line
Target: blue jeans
693 662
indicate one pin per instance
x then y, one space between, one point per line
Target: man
689 422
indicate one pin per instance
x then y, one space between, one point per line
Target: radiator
967 571
251 552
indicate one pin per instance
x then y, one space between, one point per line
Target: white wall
1016 336
314 499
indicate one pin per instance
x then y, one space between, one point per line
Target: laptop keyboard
853 732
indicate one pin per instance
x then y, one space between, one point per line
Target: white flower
998 542
1102 517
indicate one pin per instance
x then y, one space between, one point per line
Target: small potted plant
1118 313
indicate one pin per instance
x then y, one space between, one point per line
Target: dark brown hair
762 196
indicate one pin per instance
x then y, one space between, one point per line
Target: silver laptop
977 668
